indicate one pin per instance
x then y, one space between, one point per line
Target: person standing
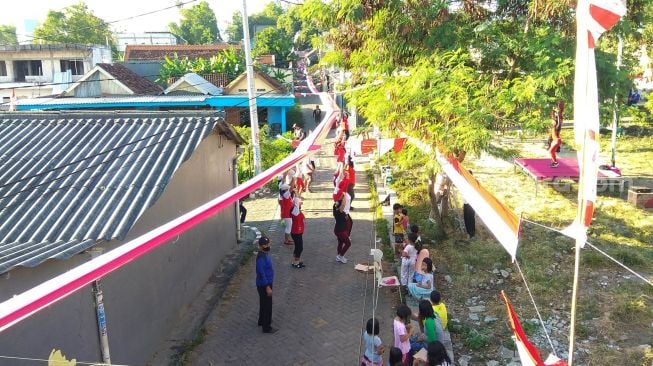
297 233
469 216
345 125
341 230
317 114
397 229
352 180
298 132
556 127
309 168
243 210
286 204
264 279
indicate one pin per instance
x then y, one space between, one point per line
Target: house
264 85
44 69
192 83
112 79
273 100
190 51
78 183
145 38
160 52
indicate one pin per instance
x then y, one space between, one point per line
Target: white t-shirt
411 251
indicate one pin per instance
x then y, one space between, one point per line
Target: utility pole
251 92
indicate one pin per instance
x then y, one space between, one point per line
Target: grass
615 309
187 348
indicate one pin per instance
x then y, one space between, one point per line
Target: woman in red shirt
286 204
297 232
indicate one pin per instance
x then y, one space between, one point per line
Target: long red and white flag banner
31 301
498 218
593 17
528 354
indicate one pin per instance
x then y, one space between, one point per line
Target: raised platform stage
567 170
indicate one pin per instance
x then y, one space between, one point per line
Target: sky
16 12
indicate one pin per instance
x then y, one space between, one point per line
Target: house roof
272 82
159 52
193 83
155 101
69 180
128 80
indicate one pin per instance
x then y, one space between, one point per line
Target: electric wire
598 250
46 38
537 311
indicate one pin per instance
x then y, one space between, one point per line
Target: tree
8 35
198 25
273 41
454 75
73 24
235 28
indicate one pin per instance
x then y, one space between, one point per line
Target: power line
290 2
109 22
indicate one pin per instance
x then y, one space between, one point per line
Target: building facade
40 70
187 161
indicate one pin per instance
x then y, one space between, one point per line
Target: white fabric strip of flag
495 221
593 18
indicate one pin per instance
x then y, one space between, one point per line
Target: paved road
319 310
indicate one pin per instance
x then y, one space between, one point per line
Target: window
76 67
3 68
35 68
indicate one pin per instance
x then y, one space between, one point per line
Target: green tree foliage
8 35
230 62
457 73
273 150
235 28
273 41
198 25
73 24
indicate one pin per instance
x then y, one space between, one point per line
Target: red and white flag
593 18
528 354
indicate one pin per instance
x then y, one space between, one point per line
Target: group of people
344 181
429 344
292 184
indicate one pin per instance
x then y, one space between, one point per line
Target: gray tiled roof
69 180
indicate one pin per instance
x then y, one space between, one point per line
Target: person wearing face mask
264 279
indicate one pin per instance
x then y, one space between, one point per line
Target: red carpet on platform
540 169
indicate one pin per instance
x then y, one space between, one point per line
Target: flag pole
574 295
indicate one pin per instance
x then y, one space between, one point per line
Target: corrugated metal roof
69 181
112 100
195 83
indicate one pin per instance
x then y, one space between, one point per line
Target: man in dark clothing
243 211
264 279
317 114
